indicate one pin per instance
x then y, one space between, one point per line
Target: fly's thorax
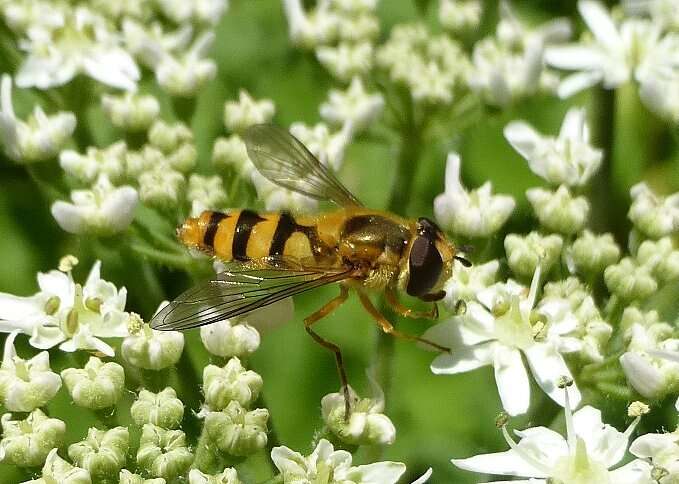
427 263
372 238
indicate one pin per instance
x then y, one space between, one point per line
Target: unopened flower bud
131 111
642 375
153 350
239 115
99 385
184 158
168 137
163 453
86 168
27 442
236 431
629 281
26 384
525 253
559 211
367 425
184 75
126 477
227 476
652 214
232 382
146 159
102 453
58 470
232 152
660 258
227 338
591 254
161 187
162 409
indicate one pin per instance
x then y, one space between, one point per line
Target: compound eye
425 265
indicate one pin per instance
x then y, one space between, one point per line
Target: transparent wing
241 288
284 160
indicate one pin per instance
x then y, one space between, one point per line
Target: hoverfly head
430 261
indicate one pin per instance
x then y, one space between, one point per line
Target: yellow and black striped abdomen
244 235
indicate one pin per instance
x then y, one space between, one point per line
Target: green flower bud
126 477
227 476
27 442
146 159
168 137
161 187
184 158
131 111
58 471
230 338
163 453
525 253
26 384
652 214
236 431
591 254
99 385
559 211
629 281
660 258
102 453
232 382
163 409
153 350
231 152
208 190
367 425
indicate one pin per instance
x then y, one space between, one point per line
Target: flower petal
599 21
604 443
575 83
463 359
635 472
507 463
548 366
511 379
523 138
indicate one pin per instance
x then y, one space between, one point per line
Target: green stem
51 192
278 479
171 260
206 459
616 390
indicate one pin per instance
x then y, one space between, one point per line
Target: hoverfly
272 256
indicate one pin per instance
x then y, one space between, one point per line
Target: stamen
534 286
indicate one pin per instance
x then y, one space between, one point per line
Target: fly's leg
406 312
388 328
329 307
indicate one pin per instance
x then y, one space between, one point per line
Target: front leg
400 309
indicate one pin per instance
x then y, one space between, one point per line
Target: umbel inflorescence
572 308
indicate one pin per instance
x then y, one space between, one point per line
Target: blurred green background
437 417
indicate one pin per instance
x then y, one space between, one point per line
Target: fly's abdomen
245 235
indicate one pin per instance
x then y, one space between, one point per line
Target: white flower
467 282
109 161
509 66
612 56
103 210
568 159
366 425
68 313
83 44
26 384
459 15
328 147
354 105
310 29
346 60
663 12
185 73
150 349
239 115
476 213
587 454
334 466
496 332
652 214
229 338
40 137
202 11
658 77
131 111
661 451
